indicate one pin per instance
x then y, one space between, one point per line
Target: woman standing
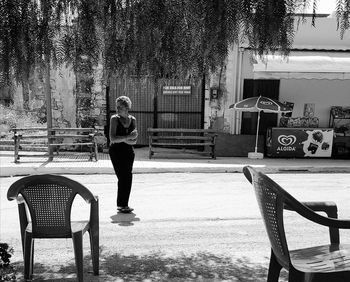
122 136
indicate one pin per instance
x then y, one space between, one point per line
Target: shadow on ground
158 267
124 219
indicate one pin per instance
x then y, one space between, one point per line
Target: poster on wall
289 105
309 110
299 142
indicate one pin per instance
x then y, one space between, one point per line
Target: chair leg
78 253
95 250
28 255
274 269
32 261
295 275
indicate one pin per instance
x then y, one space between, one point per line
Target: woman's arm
132 137
133 134
113 138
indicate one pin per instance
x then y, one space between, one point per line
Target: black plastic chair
318 263
49 199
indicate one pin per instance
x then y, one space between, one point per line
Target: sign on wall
177 90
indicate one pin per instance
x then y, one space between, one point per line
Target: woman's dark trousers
122 156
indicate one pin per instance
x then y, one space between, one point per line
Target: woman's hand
131 142
133 134
119 139
131 139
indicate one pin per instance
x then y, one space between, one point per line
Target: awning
304 65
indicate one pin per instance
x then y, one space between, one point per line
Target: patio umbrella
260 104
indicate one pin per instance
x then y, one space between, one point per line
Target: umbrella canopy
261 103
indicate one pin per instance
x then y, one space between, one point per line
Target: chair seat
77 226
322 259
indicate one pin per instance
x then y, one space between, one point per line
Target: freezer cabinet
299 142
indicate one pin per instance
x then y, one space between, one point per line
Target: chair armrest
308 213
23 217
92 199
94 216
94 206
20 199
330 208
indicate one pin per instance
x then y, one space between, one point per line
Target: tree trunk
25 91
155 102
48 102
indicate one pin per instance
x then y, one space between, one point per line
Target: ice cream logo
287 142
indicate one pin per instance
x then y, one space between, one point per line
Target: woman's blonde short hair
124 100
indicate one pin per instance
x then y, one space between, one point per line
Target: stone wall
91 100
76 100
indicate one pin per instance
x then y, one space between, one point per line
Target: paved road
199 219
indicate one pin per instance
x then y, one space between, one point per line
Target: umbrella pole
257 133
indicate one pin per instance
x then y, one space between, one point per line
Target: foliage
88 122
5 254
343 15
162 38
11 118
7 271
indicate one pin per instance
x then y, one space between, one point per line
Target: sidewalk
74 163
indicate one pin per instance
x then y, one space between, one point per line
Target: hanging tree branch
162 38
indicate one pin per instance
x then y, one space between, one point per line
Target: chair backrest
271 200
49 199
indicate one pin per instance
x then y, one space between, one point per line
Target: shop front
315 83
314 77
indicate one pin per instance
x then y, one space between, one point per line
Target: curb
143 165
28 170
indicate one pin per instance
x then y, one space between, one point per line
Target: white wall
323 93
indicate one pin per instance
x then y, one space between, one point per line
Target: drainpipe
238 115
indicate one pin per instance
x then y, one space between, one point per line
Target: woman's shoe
126 210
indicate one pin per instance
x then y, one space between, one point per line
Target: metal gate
155 106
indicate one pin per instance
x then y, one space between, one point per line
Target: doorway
259 87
